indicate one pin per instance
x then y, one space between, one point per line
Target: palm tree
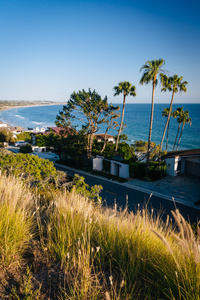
126 88
178 114
184 120
174 84
151 70
165 113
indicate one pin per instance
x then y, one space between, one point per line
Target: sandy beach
12 106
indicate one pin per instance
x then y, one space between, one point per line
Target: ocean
137 119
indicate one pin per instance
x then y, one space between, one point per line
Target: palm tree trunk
120 128
150 128
167 135
176 135
163 136
168 117
180 136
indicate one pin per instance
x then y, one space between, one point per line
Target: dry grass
85 251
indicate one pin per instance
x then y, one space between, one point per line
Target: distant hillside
4 104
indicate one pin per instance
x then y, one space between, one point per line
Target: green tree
25 136
110 116
151 71
178 114
174 84
125 88
89 108
41 140
185 119
5 136
140 148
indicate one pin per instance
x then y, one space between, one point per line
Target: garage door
192 168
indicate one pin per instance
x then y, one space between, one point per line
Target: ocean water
137 119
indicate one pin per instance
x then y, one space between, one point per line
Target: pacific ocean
137 119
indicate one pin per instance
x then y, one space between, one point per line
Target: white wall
123 168
172 166
98 164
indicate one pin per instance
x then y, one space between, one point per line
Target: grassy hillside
56 244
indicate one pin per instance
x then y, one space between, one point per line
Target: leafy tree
174 84
151 71
126 88
110 116
41 140
25 136
184 119
89 108
126 151
5 136
140 148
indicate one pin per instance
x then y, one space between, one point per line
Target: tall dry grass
16 222
126 255
103 253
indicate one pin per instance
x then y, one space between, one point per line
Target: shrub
26 149
27 166
138 170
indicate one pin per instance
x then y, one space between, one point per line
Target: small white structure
38 149
117 168
183 162
3 125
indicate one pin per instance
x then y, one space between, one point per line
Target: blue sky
50 48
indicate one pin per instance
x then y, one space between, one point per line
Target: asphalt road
118 193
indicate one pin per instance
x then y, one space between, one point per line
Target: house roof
58 130
102 135
192 152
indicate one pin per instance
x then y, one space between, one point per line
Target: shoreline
9 107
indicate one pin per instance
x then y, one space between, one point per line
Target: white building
183 162
117 167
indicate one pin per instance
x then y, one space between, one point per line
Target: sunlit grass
15 219
102 253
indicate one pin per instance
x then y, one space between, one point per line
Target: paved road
119 193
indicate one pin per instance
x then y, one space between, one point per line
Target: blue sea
137 119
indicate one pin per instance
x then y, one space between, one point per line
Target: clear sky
50 48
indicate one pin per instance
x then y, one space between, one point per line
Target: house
55 130
183 162
117 166
101 137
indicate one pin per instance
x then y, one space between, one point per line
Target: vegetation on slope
73 248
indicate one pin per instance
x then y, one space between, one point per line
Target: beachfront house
183 162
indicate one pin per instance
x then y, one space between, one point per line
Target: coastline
9 107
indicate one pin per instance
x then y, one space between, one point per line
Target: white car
20 143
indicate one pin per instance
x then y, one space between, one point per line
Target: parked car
20 143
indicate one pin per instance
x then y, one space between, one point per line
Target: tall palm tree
184 120
174 84
126 88
165 113
178 114
151 71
